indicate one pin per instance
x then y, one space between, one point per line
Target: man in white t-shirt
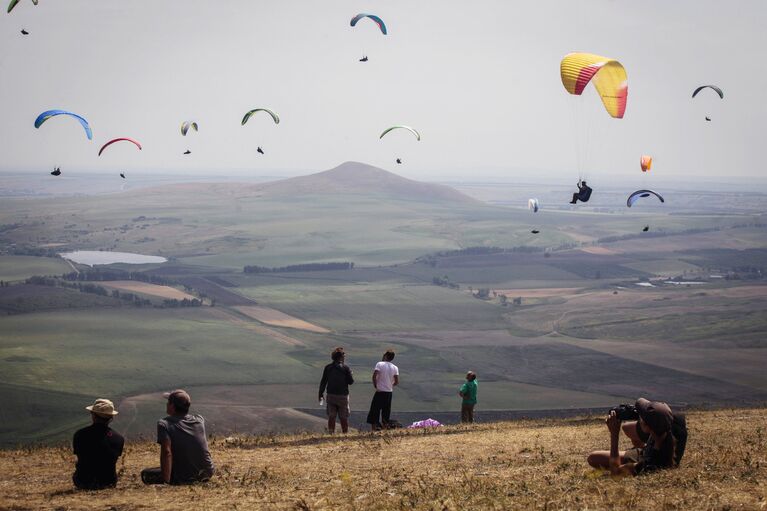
385 378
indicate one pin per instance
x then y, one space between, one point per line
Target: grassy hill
535 464
359 178
349 178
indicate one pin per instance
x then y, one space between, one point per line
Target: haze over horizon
480 82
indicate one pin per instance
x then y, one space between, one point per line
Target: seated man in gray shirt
184 455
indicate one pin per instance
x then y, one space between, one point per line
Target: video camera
625 412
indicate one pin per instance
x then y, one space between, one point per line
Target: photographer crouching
658 435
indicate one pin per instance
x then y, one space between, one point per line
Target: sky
479 80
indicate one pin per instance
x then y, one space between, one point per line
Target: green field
380 307
26 298
70 358
121 352
125 351
14 268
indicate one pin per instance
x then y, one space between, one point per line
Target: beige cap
102 407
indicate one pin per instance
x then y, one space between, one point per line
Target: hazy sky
479 80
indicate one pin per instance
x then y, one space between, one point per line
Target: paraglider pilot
583 194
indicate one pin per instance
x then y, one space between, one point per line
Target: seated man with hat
660 450
98 448
184 455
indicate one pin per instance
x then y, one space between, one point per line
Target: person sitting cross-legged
184 455
98 448
661 444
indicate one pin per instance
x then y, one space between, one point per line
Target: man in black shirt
583 194
337 377
97 448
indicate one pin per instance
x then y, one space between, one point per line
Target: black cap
655 414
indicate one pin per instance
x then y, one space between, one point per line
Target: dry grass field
600 250
538 293
536 464
144 288
246 324
274 317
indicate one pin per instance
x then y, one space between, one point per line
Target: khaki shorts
633 455
337 405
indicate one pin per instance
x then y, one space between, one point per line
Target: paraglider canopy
608 75
645 162
641 194
373 17
186 125
249 114
412 130
713 87
14 2
122 139
52 113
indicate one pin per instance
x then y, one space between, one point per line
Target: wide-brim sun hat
102 407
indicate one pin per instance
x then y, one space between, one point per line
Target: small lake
93 257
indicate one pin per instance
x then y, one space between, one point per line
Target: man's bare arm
396 380
166 460
375 379
614 425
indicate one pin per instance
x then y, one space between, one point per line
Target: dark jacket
337 378
97 448
584 192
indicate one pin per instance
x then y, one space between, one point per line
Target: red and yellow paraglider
608 76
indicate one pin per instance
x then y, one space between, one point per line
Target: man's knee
597 459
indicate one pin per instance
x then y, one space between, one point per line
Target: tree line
132 298
300 268
432 259
95 274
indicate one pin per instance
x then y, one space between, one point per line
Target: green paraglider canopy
248 115
14 2
186 125
412 130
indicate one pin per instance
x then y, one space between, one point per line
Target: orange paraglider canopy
646 163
